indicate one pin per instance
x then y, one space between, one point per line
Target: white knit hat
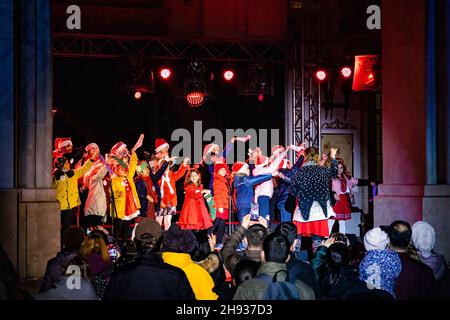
376 239
423 238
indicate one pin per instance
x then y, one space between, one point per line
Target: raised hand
138 143
333 152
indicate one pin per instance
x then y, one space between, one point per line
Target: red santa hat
277 149
118 148
219 166
239 167
91 146
160 144
62 142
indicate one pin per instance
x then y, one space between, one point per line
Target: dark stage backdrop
92 105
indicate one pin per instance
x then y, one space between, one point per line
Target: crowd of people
154 251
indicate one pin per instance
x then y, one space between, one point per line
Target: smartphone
254 211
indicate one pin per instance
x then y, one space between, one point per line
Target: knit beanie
423 238
177 240
376 239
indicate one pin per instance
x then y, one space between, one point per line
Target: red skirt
343 208
317 228
194 215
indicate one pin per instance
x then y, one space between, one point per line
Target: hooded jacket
201 282
244 188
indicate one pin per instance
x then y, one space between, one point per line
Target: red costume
194 215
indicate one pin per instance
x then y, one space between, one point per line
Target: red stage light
321 75
228 75
195 99
165 73
346 72
261 97
137 95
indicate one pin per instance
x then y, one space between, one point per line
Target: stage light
228 75
165 73
137 95
195 99
195 94
261 97
321 75
346 72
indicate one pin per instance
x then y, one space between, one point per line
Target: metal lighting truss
113 46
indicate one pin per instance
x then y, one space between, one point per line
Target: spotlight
165 73
228 75
346 72
195 94
261 97
137 95
321 75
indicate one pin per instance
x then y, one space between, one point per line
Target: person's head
312 154
72 238
143 169
179 241
340 238
95 243
78 266
161 148
147 236
289 230
423 238
376 239
400 233
342 170
338 255
244 270
214 266
202 248
254 236
240 167
193 177
276 248
221 169
93 151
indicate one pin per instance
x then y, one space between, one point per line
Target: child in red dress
194 215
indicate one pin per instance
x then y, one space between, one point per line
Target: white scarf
166 179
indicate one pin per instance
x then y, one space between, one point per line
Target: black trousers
121 229
93 220
66 218
218 229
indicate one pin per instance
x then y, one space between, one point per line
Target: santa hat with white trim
239 167
62 142
160 144
276 150
91 146
209 148
118 148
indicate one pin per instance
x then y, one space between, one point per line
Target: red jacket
168 188
221 194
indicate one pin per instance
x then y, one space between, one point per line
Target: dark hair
202 249
276 248
255 235
82 266
340 237
400 233
337 257
245 270
287 229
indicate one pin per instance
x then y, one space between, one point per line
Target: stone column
29 221
412 186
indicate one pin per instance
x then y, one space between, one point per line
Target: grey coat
96 200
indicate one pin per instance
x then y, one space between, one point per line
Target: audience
275 254
72 239
177 246
215 268
381 266
423 239
253 234
416 279
148 277
74 284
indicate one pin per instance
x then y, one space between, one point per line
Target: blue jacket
141 188
283 187
244 188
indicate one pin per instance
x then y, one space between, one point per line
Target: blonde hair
94 244
312 154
